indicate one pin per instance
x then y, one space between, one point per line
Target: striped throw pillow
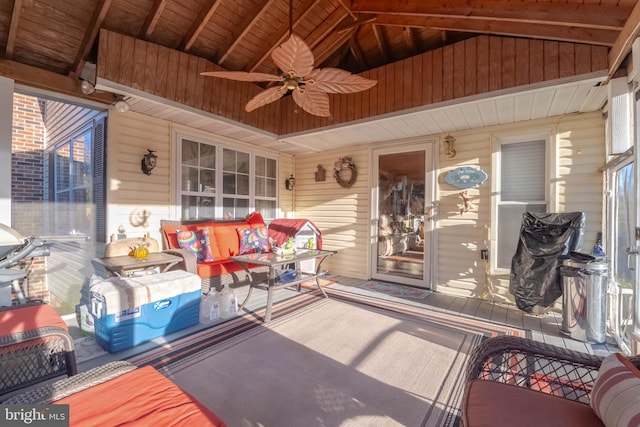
615 397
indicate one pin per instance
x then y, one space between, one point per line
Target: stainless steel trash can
584 297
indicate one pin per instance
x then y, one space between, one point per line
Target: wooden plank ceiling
53 44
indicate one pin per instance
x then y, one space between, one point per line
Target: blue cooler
131 310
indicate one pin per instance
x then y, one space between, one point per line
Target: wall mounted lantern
149 162
290 183
450 152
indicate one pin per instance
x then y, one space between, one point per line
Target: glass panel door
401 232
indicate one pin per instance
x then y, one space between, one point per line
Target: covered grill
14 247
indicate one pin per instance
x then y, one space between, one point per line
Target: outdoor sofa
514 381
224 240
227 238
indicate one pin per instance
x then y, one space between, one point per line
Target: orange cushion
28 318
491 404
140 397
226 238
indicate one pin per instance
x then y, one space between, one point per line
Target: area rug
334 362
400 291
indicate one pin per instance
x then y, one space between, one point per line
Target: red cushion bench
119 394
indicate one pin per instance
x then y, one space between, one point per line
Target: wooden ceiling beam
330 45
198 25
90 36
356 51
515 29
13 29
562 14
244 28
326 27
409 38
152 19
382 46
360 20
283 31
624 42
38 78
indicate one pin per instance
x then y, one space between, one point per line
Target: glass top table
277 262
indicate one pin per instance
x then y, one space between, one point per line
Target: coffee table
278 262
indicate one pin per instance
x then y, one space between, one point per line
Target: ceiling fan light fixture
309 86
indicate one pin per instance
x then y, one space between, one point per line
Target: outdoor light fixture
290 183
450 152
149 161
121 105
87 87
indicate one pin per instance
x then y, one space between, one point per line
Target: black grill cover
545 241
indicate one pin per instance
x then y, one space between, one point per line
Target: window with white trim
520 173
225 183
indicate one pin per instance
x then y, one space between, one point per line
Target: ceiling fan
308 86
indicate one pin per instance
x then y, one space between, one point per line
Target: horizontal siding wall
461 234
576 183
138 201
135 200
341 214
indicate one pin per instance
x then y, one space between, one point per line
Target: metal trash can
584 297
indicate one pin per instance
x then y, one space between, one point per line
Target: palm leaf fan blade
312 101
335 80
293 56
265 97
243 76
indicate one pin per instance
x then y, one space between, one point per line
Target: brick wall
27 181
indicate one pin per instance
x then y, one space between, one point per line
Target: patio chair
35 346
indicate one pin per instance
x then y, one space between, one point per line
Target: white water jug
228 302
210 307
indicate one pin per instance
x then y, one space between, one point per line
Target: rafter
13 29
244 28
562 14
330 45
356 51
198 25
152 19
283 30
517 29
409 38
623 43
90 35
362 19
27 75
380 42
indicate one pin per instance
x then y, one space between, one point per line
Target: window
225 183
73 185
520 171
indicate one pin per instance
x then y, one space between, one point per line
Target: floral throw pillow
197 242
253 240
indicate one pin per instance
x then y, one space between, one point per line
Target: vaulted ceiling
53 44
